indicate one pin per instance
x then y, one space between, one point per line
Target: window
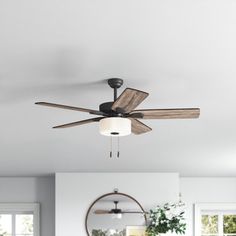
215 219
19 219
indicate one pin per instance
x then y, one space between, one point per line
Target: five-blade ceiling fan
116 210
119 118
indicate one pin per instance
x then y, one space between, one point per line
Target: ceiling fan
116 211
119 118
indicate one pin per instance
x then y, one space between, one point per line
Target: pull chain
118 147
111 147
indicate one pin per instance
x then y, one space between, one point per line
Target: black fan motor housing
106 107
116 211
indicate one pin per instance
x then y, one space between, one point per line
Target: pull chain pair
118 147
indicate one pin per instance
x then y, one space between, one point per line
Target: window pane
209 224
24 224
229 224
5 224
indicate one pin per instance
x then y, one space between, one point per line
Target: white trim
201 207
220 224
24 208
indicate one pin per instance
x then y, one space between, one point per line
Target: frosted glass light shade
115 126
117 216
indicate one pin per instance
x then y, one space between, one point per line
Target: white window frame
12 208
200 208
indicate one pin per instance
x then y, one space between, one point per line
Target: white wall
76 191
200 190
24 190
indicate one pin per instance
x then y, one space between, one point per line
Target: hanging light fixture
117 216
116 212
115 126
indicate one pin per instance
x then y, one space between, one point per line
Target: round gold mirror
114 214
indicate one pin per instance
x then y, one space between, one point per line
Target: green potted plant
168 218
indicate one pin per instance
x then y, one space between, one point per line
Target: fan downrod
115 83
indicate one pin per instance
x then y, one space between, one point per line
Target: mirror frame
109 194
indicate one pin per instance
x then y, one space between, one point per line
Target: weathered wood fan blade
181 113
129 100
69 107
101 212
81 122
138 127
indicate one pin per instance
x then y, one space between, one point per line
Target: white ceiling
182 52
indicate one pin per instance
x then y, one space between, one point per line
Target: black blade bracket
99 113
137 115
